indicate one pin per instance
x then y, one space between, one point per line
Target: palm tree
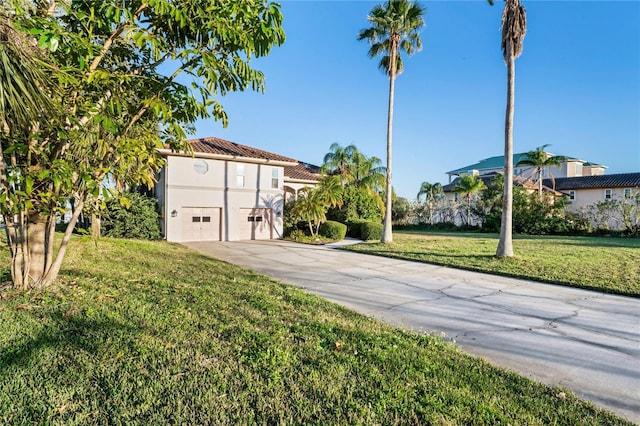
23 98
367 172
467 186
540 159
514 28
432 192
339 160
395 27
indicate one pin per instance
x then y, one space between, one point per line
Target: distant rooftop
497 162
621 180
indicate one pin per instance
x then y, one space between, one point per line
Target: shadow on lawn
71 330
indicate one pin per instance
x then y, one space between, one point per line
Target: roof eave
223 157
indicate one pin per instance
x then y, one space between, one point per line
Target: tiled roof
488 182
302 171
223 147
621 180
497 163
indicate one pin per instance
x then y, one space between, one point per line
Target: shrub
353 228
132 215
297 235
333 230
371 231
357 204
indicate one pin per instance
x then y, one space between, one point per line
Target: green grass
610 265
152 333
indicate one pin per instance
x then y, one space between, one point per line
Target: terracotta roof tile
302 171
223 147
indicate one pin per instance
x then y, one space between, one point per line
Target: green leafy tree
357 206
540 160
131 77
395 28
132 215
467 187
514 28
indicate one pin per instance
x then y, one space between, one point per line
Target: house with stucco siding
225 191
586 191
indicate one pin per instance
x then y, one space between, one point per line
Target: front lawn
153 333
610 265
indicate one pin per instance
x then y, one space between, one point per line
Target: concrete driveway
584 341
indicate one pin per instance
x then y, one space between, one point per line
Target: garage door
200 224
256 224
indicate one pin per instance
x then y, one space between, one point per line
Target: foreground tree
514 28
539 159
395 27
467 186
113 107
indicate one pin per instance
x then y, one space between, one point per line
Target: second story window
240 175
608 194
274 178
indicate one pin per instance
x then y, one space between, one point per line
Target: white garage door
256 224
200 224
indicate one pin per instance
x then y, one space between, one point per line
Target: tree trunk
505 245
540 184
387 235
95 226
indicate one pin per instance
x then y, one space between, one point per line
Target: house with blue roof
583 183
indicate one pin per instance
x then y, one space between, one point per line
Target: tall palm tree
514 28
467 186
539 159
395 27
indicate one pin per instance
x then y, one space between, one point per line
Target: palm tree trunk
387 235
505 245
540 184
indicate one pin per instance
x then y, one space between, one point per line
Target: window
627 193
455 196
206 219
274 178
258 218
608 194
240 175
572 195
251 219
195 219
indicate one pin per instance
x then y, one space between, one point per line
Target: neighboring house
585 191
226 191
583 183
572 167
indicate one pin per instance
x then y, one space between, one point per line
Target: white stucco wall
183 186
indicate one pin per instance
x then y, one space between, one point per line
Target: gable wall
182 187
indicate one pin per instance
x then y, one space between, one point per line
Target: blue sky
577 88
